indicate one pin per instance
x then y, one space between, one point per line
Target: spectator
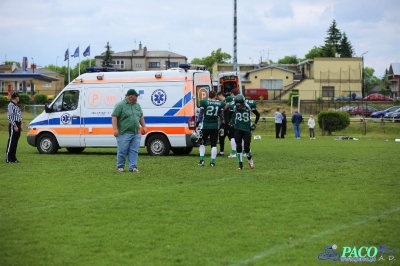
284 124
297 118
278 123
127 117
311 125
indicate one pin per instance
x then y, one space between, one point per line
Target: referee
14 128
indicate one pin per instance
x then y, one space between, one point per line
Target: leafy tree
292 59
216 56
331 121
346 49
11 62
314 52
107 60
84 64
370 81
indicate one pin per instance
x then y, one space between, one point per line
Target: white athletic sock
202 150
213 152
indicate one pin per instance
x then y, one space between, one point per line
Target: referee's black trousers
12 143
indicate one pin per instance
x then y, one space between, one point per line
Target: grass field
303 195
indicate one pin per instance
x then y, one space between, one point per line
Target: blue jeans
296 128
128 145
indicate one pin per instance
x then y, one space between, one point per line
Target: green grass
67 209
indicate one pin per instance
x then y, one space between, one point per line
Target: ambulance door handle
75 116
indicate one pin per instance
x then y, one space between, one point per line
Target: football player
242 115
211 110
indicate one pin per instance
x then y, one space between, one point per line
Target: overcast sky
44 29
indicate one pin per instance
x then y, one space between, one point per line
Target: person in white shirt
311 125
278 123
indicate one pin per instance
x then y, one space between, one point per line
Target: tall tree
107 60
216 56
328 50
334 37
346 49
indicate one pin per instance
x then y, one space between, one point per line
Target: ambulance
80 116
228 81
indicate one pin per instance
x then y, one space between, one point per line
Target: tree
346 49
334 37
328 50
331 121
216 56
370 81
292 59
314 52
11 62
107 60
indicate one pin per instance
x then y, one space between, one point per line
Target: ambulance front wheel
158 145
47 144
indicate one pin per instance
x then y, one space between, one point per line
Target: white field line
121 194
274 250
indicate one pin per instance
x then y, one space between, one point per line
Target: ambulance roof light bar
100 69
193 66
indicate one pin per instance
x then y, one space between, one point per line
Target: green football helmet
196 137
239 99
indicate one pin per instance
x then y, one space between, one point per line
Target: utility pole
234 36
362 76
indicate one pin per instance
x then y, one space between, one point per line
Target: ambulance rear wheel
47 144
182 151
158 145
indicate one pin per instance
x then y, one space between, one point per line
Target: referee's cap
14 95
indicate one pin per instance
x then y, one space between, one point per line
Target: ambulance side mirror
48 109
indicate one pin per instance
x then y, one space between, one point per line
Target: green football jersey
242 118
252 104
231 107
212 110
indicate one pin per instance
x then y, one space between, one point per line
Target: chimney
145 50
140 45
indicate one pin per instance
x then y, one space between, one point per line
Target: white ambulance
80 116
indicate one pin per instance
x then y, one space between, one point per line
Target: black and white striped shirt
13 113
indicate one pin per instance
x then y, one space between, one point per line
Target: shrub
261 99
24 98
40 98
3 101
333 121
295 99
320 100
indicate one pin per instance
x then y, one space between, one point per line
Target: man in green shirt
211 110
127 117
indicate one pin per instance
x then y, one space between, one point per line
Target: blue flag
87 51
76 54
66 55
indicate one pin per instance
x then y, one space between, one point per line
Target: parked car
377 97
345 108
362 110
393 116
348 97
380 114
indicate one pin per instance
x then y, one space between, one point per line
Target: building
143 60
393 75
39 86
318 78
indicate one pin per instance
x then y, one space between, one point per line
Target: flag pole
69 74
79 64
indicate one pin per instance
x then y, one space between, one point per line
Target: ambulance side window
202 93
68 101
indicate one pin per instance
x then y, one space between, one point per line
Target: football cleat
251 164
232 155
201 163
239 169
212 164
